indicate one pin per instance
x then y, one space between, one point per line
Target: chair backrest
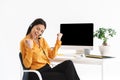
20 56
25 74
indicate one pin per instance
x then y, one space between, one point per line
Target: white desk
78 60
111 69
87 68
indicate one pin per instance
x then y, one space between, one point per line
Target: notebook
96 56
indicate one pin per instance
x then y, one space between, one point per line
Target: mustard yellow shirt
37 57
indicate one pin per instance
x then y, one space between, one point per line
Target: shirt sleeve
26 54
52 51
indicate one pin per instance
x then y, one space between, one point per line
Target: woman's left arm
53 51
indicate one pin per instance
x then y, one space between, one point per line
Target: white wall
16 16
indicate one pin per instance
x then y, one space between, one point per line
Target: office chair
25 71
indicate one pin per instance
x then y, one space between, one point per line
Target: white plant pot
104 50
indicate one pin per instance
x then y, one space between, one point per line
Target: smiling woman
36 54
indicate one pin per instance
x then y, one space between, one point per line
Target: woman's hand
59 36
29 43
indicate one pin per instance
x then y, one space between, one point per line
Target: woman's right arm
26 46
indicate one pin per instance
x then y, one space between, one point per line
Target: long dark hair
36 22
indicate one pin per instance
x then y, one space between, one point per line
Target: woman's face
37 30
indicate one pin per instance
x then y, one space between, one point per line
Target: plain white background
16 16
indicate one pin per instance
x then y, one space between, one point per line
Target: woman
36 53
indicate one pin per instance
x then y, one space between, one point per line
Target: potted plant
104 34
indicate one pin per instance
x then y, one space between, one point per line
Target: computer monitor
78 36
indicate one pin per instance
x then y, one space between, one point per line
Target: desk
111 69
87 68
78 60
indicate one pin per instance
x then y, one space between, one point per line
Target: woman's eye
38 28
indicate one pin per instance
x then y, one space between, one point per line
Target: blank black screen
77 34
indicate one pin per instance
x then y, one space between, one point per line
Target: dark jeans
62 71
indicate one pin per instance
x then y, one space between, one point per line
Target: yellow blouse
37 57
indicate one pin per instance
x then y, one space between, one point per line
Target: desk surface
78 60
